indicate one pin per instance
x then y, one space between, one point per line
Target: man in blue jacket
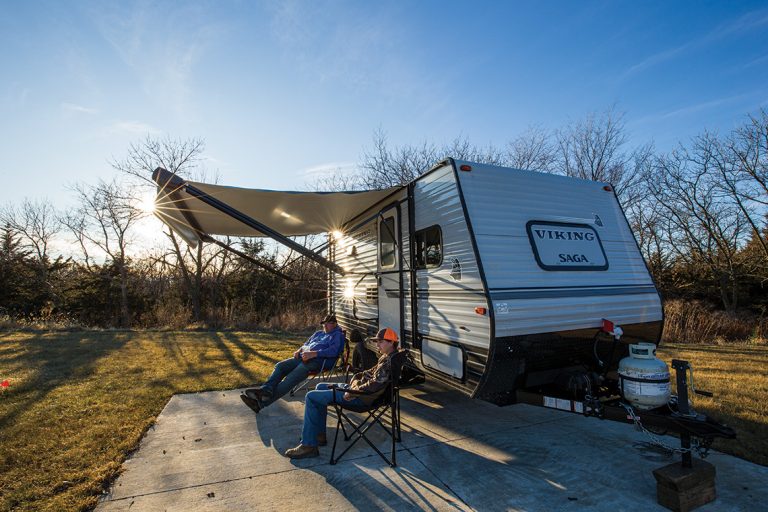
318 353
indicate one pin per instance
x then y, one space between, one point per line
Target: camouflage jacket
374 380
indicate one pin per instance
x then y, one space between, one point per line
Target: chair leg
304 384
336 436
361 429
340 423
397 415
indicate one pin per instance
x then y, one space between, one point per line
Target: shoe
257 394
321 439
255 405
302 452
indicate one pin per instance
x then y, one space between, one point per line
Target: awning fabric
289 213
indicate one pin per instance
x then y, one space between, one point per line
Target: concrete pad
208 451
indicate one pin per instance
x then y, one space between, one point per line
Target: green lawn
78 403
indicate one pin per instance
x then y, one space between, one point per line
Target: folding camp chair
337 368
387 401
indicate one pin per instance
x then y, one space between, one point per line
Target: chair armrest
352 391
356 392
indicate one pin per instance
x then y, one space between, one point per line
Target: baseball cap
386 334
329 318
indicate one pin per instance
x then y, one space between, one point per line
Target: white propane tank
643 378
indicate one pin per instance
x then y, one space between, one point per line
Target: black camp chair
387 402
339 367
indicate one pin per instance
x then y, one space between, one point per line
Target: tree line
698 212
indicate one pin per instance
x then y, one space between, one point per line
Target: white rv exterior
495 278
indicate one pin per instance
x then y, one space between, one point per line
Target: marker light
466 168
607 188
481 311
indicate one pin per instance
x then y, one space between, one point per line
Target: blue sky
280 89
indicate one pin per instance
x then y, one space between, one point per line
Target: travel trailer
496 279
510 285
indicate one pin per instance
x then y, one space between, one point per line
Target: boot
302 452
321 439
258 394
255 405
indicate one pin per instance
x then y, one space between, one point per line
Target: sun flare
147 203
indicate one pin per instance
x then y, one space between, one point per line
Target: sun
147 202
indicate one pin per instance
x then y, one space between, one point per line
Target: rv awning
288 213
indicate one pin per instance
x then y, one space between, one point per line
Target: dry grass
695 322
736 374
47 323
78 403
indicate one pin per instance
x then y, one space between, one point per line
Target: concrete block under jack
682 489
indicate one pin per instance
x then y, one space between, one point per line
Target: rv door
388 270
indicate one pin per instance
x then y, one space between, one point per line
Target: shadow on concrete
210 452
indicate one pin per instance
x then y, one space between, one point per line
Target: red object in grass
5 383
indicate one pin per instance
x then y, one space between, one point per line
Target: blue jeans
316 410
287 374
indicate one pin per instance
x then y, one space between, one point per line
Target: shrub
698 322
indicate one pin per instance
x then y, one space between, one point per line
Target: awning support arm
165 178
210 239
320 248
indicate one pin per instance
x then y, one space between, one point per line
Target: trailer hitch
689 421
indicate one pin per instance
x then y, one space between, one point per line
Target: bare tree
384 166
703 228
594 149
533 150
104 219
179 156
37 222
650 226
743 167
194 264
337 180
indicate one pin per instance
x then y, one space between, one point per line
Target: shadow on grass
58 359
189 362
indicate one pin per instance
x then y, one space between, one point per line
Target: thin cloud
329 168
698 107
747 22
363 52
80 109
756 62
655 59
162 55
691 109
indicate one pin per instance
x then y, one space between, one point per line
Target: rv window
429 247
387 242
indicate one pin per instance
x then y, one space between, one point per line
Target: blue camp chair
331 368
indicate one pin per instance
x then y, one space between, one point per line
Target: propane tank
643 378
